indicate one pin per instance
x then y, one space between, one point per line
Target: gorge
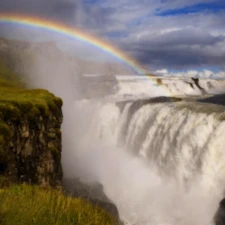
158 155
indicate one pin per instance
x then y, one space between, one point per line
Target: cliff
30 151
30 137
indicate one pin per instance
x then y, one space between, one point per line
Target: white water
141 86
167 167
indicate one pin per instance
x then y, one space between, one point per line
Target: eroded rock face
34 151
219 218
94 193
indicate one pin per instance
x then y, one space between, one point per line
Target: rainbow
62 29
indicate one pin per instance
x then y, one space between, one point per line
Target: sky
167 36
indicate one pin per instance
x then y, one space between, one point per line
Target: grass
17 102
23 204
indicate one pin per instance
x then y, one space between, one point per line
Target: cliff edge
30 136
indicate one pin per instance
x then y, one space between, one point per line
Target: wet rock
219 218
33 155
92 192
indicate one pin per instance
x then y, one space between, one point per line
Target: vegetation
16 100
23 204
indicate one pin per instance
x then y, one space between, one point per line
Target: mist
142 196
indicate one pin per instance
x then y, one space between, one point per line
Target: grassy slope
16 101
33 205
24 204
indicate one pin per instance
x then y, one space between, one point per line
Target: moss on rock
29 124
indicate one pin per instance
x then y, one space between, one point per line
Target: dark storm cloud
180 49
180 58
186 37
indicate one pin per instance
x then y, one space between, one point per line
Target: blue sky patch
197 8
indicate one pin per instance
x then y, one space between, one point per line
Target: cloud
192 73
190 47
63 10
176 41
206 6
179 41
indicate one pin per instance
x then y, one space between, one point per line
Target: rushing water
161 163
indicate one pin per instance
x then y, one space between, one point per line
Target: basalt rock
30 139
219 218
94 193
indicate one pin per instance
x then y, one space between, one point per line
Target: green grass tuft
23 204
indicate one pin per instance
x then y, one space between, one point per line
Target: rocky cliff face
34 151
30 138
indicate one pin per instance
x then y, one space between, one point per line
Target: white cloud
179 42
192 73
162 72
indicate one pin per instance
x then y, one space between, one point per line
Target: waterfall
162 163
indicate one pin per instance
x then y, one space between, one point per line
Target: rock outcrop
94 193
219 218
30 137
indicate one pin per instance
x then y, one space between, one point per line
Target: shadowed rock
94 193
219 218
217 99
